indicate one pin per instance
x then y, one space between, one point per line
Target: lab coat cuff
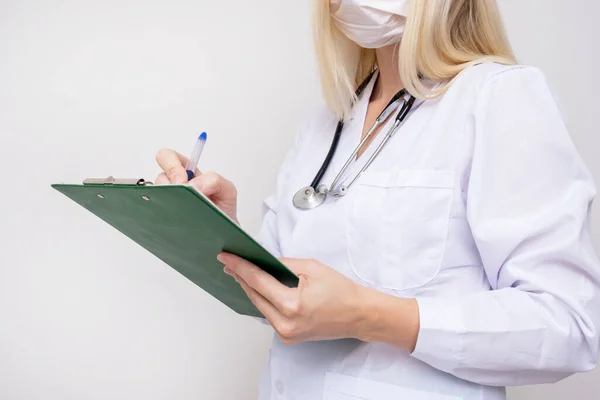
442 329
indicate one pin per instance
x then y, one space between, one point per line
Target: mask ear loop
337 136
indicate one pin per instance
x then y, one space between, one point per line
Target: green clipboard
182 228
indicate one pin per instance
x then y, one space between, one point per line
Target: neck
388 83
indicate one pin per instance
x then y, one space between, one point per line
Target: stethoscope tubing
381 119
314 195
336 137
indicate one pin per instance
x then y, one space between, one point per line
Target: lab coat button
279 386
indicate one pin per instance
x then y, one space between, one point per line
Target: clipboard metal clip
110 181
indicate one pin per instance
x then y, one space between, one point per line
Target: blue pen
195 157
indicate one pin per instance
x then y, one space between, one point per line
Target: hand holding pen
178 170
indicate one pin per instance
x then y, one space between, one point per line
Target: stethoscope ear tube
343 190
336 137
406 109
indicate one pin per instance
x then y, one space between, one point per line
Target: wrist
387 319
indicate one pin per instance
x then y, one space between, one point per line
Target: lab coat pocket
343 387
397 226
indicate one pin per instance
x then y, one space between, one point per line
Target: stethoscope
314 195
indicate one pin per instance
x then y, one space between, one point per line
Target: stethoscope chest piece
307 198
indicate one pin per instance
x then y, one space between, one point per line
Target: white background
92 88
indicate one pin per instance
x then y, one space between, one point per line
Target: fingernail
221 258
227 271
179 179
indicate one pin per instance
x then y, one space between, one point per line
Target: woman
460 262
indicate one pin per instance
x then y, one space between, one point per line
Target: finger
162 180
184 161
266 285
173 164
197 183
215 186
267 309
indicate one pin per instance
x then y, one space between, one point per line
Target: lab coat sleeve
528 201
268 235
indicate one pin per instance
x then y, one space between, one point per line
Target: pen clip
110 181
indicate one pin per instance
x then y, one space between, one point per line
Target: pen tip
202 136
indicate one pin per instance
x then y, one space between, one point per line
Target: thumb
298 266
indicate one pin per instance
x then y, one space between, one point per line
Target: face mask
370 23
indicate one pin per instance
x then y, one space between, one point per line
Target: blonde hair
442 38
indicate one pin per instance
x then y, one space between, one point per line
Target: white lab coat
478 208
